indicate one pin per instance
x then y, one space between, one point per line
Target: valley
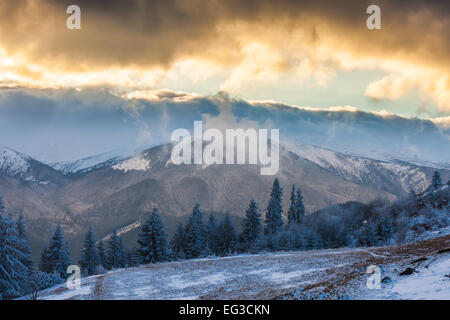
116 193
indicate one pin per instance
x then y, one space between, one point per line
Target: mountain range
115 190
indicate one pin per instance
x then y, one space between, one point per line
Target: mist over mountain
66 125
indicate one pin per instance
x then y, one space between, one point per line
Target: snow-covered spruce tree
101 252
436 181
311 240
251 225
152 240
227 237
45 264
26 249
384 229
368 234
89 260
213 235
299 207
55 257
195 240
116 255
39 280
177 242
13 273
292 212
273 221
133 257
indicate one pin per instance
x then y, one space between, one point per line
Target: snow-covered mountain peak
25 168
118 159
363 170
88 163
14 163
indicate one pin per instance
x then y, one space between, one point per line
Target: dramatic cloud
139 43
68 124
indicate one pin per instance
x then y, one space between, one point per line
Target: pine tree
102 258
26 249
436 181
299 207
45 265
195 241
153 240
13 273
384 229
312 240
292 212
133 257
273 220
213 235
177 242
89 260
55 257
116 254
251 224
227 236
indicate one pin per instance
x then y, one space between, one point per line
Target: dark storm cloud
157 33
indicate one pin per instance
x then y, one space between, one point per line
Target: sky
301 54
316 53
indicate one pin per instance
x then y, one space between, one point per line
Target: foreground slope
320 274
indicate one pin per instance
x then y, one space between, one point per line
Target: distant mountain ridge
117 192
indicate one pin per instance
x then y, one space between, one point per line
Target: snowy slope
319 274
430 281
88 163
24 168
14 163
20 166
119 159
363 170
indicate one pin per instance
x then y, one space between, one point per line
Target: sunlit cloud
442 121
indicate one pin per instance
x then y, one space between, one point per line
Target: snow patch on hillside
89 163
123 230
137 163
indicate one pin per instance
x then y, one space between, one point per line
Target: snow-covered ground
429 280
320 274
